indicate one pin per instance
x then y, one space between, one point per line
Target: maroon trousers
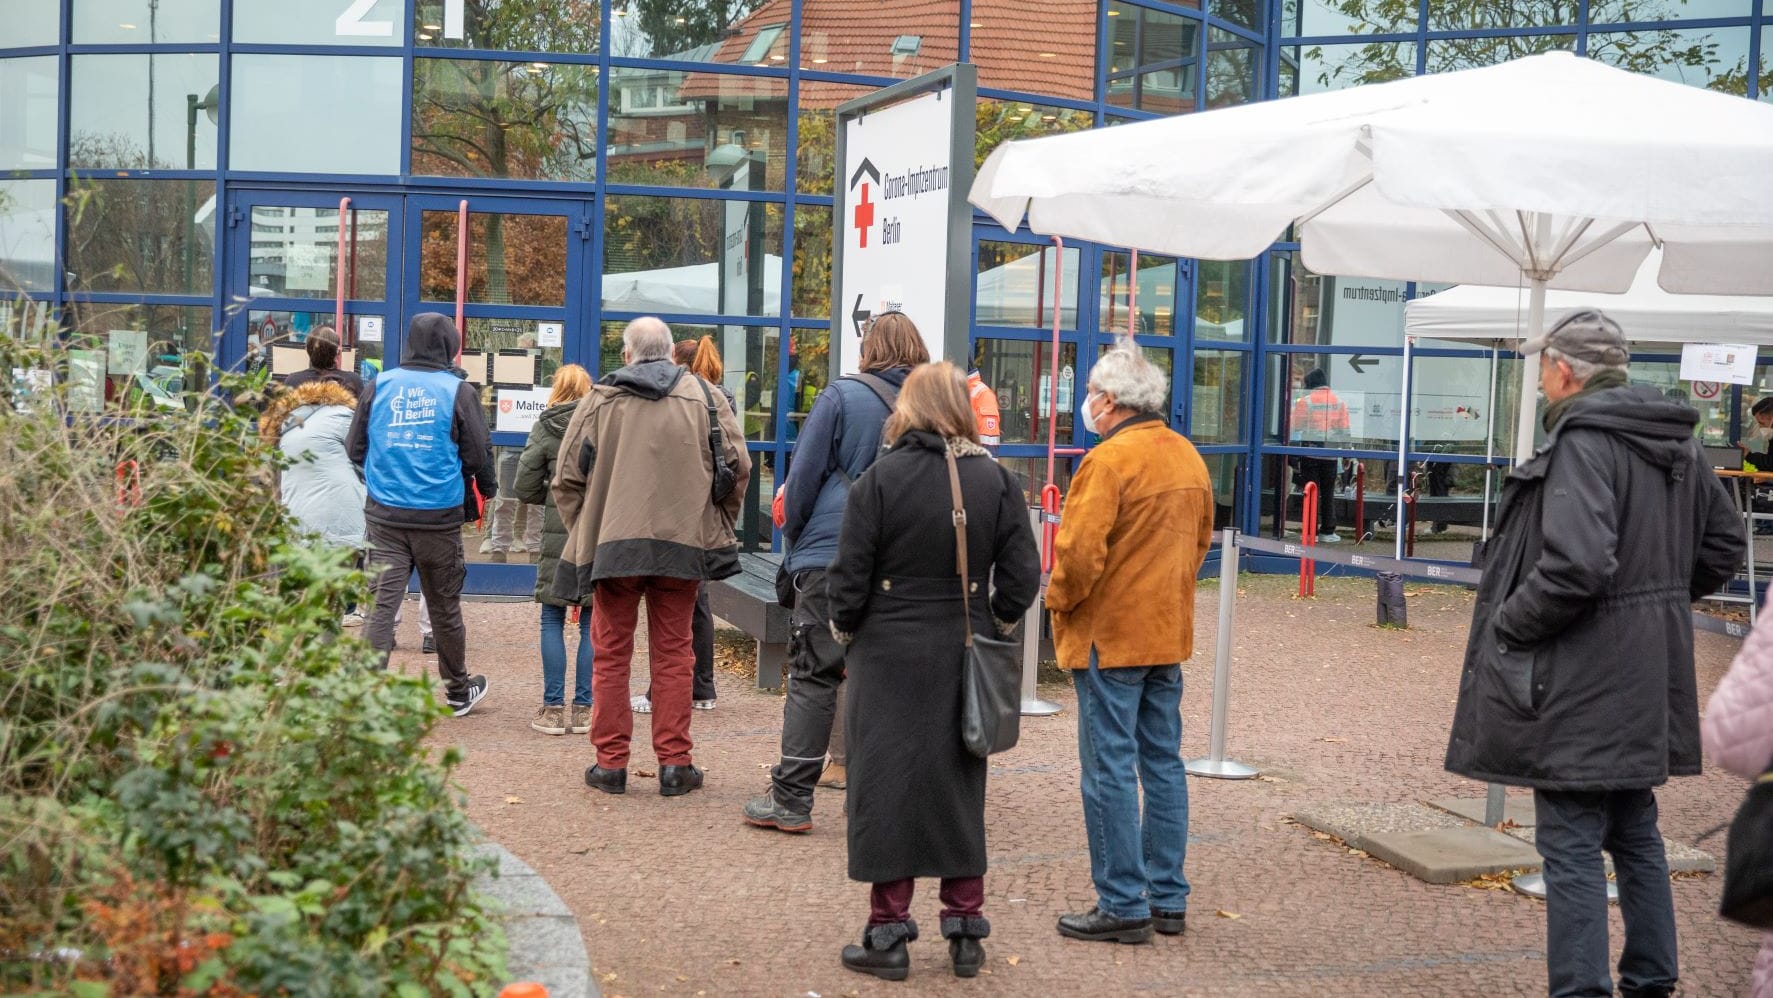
962 897
615 608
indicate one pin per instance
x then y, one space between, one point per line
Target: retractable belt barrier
1455 574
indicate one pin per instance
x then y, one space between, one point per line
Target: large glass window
1764 77
817 133
1247 13
1014 286
1153 59
1537 14
28 89
999 121
1156 303
143 22
1358 406
700 32
512 259
1221 303
295 252
812 261
1445 55
141 236
696 129
1223 470
316 114
809 368
132 356
1047 48
274 338
30 24
27 236
1612 11
1335 18
339 22
916 40
1716 58
1450 411
525 120
1234 69
748 357
700 255
141 112
1334 311
1020 372
570 26
1332 67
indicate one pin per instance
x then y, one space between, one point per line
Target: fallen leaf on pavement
1222 913
1013 960
1322 837
1333 741
514 800
645 774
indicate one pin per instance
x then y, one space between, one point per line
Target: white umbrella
1551 169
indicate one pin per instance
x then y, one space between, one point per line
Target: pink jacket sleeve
1738 723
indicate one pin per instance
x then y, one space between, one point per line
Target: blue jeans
1129 732
554 658
1573 828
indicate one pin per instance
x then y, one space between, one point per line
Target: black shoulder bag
1748 858
724 479
991 680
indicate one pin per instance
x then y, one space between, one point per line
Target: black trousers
437 554
702 639
815 675
1323 472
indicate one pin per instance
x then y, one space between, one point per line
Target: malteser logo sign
897 194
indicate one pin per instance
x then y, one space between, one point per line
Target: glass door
525 313
293 255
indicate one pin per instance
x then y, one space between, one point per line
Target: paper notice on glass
514 367
1731 363
86 375
550 334
128 351
518 409
348 360
307 267
369 329
474 362
286 361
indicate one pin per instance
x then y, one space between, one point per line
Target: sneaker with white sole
550 720
476 693
1330 539
703 704
641 705
352 619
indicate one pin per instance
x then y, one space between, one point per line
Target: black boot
883 951
675 781
1170 923
610 781
963 935
1098 926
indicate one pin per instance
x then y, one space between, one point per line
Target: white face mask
1089 414
1760 434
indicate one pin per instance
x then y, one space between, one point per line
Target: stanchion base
1533 886
1036 707
1222 769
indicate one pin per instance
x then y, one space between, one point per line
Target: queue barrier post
1308 536
1215 765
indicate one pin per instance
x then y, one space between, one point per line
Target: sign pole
1215 765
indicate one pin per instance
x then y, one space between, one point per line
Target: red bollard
1308 534
524 989
1049 526
129 484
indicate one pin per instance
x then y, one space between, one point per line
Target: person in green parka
535 472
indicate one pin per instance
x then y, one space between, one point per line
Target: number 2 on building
354 22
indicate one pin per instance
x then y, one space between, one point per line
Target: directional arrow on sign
859 315
1360 363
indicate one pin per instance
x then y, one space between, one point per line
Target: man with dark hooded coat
1578 677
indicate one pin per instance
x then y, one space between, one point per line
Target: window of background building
1047 48
28 113
1244 13
1222 300
1622 11
140 236
911 42
1314 68
1153 59
27 235
1234 69
681 32
136 112
1020 372
143 22
1444 55
294 252
522 120
1157 294
1714 58
674 255
673 128
565 26
31 24
513 259
316 114
132 356
816 125
1335 18
309 23
812 261
1000 121
1014 286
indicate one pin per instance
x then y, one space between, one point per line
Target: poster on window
128 351
518 409
1730 363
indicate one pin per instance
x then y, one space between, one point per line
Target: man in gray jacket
1578 677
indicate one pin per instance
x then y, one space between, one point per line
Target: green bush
205 788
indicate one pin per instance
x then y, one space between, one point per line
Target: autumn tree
673 26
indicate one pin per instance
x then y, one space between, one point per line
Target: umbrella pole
1523 450
1403 444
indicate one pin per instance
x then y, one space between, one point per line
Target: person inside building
917 795
985 411
1320 420
840 440
651 476
418 433
323 364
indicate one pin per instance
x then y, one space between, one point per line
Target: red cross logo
864 215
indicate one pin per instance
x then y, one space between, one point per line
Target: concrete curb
545 945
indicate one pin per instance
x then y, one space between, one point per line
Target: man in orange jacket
985 412
1320 418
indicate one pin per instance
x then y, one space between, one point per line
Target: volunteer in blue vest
418 430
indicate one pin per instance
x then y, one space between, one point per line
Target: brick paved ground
678 897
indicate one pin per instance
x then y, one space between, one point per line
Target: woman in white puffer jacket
320 488
1738 734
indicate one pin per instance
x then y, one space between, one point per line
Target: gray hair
646 338
1582 370
1135 383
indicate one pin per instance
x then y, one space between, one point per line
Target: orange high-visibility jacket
1318 414
985 412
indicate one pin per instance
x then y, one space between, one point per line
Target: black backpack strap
716 443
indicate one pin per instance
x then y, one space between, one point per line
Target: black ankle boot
963 935
610 781
883 952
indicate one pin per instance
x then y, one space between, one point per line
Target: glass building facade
205 175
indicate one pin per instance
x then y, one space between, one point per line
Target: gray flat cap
1586 334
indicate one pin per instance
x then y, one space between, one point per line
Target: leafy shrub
205 788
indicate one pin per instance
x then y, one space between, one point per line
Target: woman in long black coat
916 795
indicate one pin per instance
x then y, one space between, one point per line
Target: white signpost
904 165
